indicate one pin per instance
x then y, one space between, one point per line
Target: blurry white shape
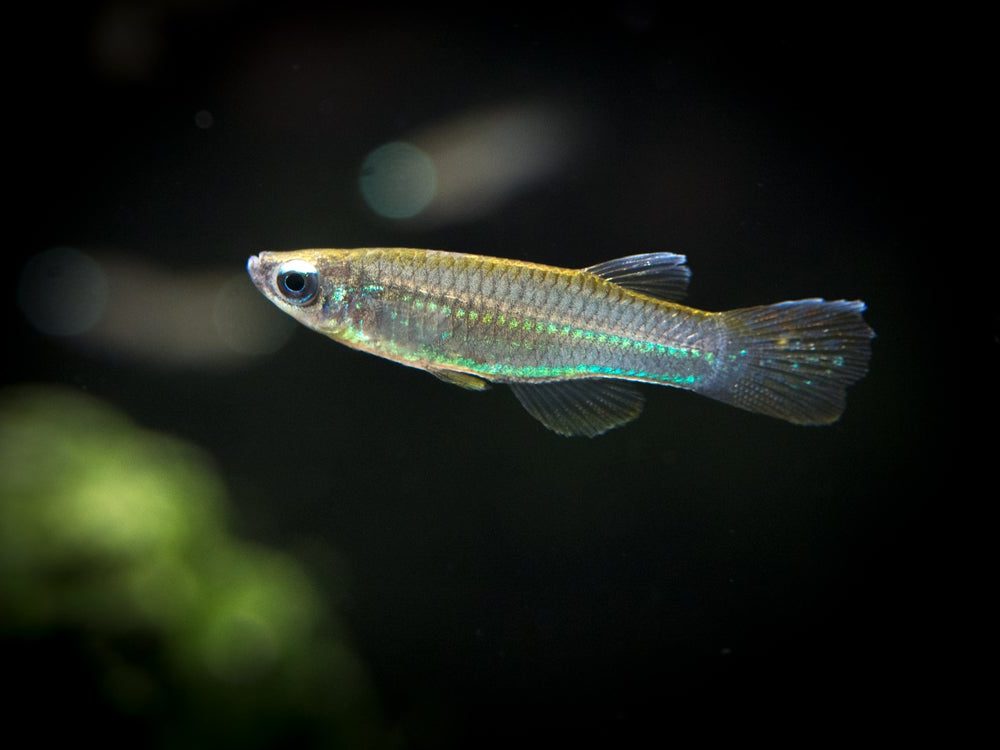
195 319
246 322
398 180
203 119
62 292
485 157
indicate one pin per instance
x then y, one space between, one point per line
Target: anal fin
580 407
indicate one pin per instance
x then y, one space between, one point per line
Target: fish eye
297 281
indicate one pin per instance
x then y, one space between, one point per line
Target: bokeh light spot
203 119
62 292
398 180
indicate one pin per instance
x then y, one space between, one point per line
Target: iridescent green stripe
535 372
539 372
547 328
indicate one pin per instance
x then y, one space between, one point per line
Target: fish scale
567 340
432 293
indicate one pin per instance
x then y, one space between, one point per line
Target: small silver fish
572 343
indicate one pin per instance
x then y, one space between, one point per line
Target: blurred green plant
123 592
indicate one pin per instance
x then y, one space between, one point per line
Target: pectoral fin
461 379
580 407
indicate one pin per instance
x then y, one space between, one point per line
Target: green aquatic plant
118 571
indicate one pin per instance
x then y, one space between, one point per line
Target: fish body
571 342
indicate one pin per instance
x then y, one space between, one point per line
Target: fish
573 344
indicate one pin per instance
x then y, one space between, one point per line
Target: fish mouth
255 269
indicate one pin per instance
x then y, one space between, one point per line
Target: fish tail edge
794 360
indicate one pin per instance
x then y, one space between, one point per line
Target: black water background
700 567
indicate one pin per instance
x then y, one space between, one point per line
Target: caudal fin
794 360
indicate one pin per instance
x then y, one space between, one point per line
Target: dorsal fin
580 407
662 275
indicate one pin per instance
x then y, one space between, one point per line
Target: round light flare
62 292
203 119
398 180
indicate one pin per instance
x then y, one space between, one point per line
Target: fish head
313 286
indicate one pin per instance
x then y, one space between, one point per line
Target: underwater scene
390 379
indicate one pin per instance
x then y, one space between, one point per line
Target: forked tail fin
793 360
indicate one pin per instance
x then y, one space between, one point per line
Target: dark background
702 568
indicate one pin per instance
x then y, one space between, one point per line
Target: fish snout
257 269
